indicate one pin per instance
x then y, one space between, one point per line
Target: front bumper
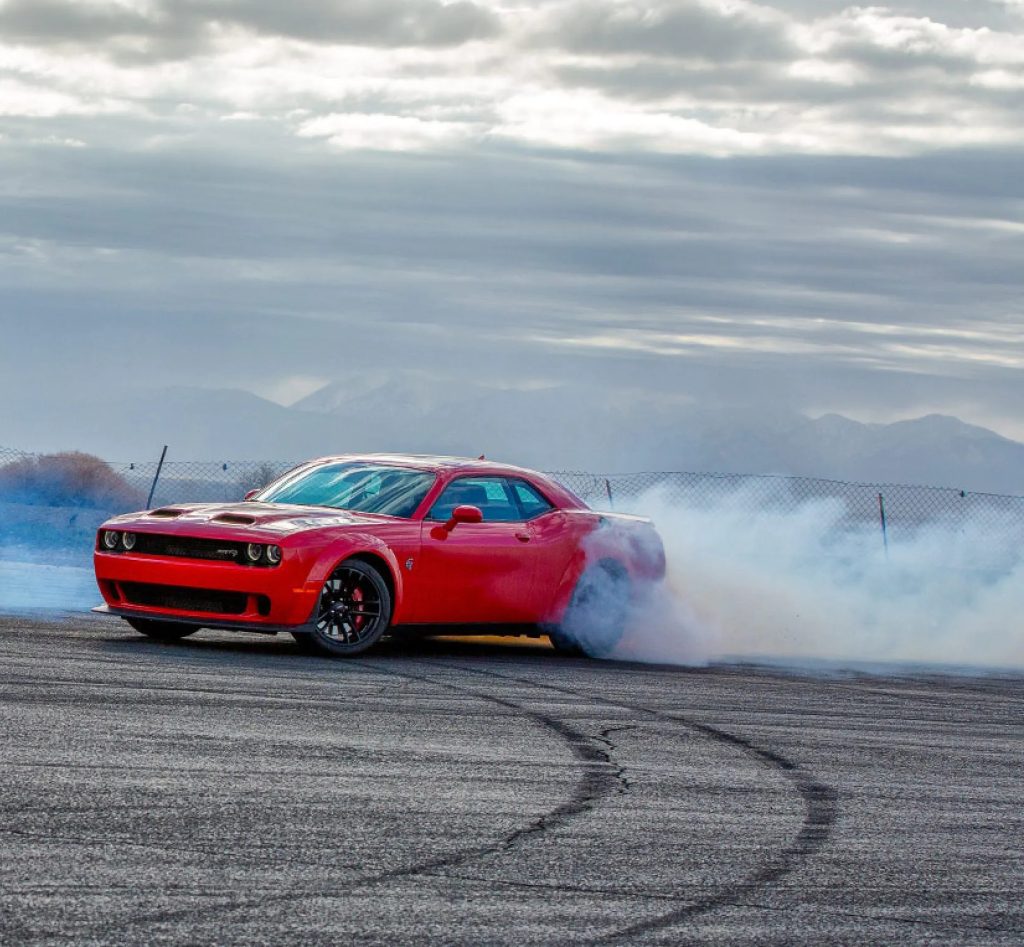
269 599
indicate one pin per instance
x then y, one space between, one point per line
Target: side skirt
476 630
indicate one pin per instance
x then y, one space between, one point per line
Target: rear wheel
354 610
595 620
162 630
562 643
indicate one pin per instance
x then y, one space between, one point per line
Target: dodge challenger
344 550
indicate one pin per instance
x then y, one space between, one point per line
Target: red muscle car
344 550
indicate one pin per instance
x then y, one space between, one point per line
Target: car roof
444 465
436 462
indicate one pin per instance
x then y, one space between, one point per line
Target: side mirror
464 514
250 494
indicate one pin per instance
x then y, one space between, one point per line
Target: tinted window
488 493
363 488
532 503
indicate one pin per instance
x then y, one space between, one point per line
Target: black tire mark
600 779
601 776
820 811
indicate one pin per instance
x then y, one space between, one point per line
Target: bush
69 479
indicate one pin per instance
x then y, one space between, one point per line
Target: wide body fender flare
566 585
355 546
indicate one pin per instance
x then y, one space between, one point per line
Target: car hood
278 518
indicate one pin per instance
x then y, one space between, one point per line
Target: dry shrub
67 479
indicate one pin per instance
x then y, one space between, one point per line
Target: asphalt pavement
231 790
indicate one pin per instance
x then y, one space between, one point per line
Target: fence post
608 490
885 531
156 476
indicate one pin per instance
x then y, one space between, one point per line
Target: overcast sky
798 202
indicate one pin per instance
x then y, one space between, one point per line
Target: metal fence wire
896 508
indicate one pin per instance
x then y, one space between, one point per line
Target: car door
476 572
551 540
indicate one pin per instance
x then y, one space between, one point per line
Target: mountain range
551 427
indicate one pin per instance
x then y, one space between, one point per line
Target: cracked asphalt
231 790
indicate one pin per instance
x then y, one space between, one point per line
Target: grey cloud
947 64
970 14
130 34
44 21
650 63
181 28
666 29
369 22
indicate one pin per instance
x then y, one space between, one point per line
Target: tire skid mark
600 778
820 811
601 775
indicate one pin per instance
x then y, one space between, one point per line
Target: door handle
523 537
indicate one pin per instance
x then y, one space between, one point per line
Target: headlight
128 539
273 555
110 538
254 551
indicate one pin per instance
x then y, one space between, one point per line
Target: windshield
362 487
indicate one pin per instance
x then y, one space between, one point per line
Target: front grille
184 599
187 547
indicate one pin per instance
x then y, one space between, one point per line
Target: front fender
332 555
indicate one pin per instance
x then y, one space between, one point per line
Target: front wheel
354 610
162 630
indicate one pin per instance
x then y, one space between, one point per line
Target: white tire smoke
744 581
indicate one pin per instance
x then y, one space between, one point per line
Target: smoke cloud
747 582
46 558
41 588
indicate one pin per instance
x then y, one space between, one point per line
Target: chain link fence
897 510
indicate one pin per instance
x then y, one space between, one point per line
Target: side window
530 501
487 493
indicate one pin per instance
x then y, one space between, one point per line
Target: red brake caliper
357 620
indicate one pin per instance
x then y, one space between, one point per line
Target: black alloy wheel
162 630
354 610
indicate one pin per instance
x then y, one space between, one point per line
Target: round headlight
110 538
129 540
254 551
273 555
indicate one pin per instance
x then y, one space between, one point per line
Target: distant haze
566 428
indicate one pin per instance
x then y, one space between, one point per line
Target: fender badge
408 565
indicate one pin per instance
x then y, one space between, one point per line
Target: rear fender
566 585
631 543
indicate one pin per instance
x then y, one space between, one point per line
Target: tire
162 630
595 620
563 644
353 612
305 642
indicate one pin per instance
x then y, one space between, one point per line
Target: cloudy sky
798 202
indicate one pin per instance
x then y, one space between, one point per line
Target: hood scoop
166 512
234 519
